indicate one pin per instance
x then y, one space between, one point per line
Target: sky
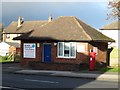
92 13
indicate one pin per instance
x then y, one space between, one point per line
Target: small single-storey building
62 44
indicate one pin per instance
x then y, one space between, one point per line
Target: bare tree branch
114 9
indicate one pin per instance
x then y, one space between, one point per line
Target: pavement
107 76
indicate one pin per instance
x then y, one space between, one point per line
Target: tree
1 30
114 9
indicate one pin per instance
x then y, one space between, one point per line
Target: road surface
19 81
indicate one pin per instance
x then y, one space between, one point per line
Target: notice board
29 50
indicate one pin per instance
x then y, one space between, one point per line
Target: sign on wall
95 49
80 48
29 50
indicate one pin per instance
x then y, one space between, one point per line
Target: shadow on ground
39 81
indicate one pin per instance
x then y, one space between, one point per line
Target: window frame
64 49
8 36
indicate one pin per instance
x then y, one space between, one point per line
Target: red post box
92 60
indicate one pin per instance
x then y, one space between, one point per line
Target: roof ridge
43 25
67 16
33 21
37 21
76 20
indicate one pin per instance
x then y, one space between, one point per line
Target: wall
25 61
81 57
101 50
10 39
112 34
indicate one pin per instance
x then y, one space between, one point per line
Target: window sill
67 57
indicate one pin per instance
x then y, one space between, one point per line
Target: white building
112 30
4 48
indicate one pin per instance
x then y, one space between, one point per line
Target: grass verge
5 60
109 69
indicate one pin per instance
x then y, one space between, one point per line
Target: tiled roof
65 28
26 26
112 26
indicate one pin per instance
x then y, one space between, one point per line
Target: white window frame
18 35
64 49
7 36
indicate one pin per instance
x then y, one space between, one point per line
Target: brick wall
57 66
102 50
25 61
81 57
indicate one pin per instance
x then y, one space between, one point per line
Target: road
19 81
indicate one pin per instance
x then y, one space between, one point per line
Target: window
72 49
60 49
7 35
18 35
67 49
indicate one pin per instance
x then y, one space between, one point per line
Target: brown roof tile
112 26
65 29
26 26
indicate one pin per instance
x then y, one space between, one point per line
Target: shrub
4 57
17 57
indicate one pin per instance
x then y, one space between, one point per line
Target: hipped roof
115 25
67 28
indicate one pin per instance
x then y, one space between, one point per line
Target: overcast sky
92 13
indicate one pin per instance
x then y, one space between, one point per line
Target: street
19 81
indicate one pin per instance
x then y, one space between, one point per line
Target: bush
17 57
4 57
83 66
0 57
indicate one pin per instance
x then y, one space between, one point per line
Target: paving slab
104 76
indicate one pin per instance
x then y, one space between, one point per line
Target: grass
3 60
109 69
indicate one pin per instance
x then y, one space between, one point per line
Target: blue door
47 53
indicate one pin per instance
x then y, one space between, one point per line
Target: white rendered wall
112 34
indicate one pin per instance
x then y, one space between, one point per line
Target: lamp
38 44
55 44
